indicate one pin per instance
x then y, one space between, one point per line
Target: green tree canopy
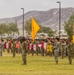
12 27
3 28
68 26
8 28
28 28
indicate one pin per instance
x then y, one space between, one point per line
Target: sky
12 8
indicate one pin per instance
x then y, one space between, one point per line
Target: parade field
36 65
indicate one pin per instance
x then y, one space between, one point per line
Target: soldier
8 46
49 48
63 49
56 50
42 48
13 48
32 48
37 48
1 48
18 47
69 50
24 51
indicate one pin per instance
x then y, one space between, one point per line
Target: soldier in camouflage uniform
37 47
13 48
56 50
1 47
63 47
24 51
70 51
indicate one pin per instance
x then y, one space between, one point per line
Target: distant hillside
48 18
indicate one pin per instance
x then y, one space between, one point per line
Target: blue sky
12 8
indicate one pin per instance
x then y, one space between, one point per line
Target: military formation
45 47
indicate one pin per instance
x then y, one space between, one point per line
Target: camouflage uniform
37 48
1 49
63 49
42 48
56 51
1 46
24 52
32 48
70 52
13 48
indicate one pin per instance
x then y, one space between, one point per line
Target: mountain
48 18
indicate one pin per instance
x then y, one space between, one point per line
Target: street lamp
59 18
23 22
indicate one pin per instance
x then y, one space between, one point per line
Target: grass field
36 65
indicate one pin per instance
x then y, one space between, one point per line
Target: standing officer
63 47
24 51
56 50
69 51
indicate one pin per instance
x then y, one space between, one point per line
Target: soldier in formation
70 50
56 50
24 51
1 47
63 48
13 48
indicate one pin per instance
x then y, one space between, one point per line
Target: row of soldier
50 47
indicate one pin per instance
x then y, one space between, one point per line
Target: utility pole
59 18
23 22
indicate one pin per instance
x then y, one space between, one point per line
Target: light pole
59 18
23 22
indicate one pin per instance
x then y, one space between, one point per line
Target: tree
28 26
12 28
8 28
68 26
47 30
3 28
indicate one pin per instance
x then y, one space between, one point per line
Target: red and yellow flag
35 28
